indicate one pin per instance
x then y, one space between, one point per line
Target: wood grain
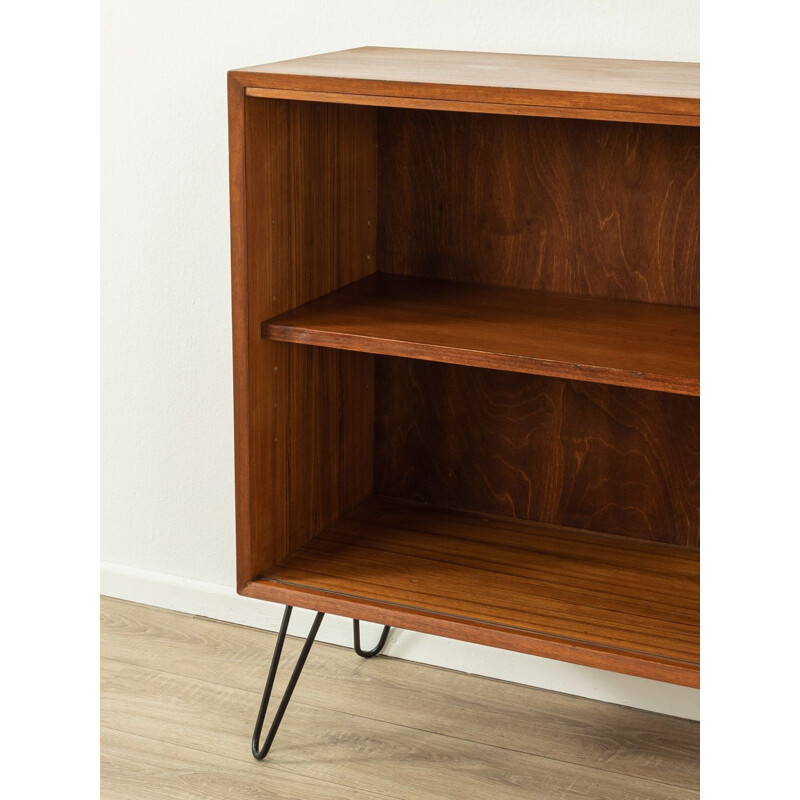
242 425
581 87
570 729
600 596
508 109
165 689
593 209
323 194
349 750
625 344
304 418
136 767
603 458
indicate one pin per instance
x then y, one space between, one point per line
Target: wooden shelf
641 345
594 599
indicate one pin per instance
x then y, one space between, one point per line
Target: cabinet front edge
541 103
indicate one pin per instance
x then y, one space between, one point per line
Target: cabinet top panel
586 88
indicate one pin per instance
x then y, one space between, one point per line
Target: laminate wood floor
179 696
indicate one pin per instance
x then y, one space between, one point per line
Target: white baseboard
221 602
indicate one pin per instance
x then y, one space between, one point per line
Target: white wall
167 435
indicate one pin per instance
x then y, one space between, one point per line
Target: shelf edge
473 358
435 103
589 655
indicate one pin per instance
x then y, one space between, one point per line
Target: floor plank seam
246 761
297 702
407 729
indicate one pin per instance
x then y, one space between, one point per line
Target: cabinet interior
384 468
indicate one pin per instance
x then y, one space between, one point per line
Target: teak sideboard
466 348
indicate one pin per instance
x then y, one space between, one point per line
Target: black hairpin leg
260 751
357 641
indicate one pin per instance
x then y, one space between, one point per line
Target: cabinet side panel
584 455
239 299
310 221
268 285
600 209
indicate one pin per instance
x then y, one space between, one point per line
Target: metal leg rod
357 640
260 751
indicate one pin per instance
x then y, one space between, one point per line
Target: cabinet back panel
585 455
601 209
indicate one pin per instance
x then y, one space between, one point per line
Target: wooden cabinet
466 348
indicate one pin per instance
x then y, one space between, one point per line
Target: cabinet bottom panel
605 601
